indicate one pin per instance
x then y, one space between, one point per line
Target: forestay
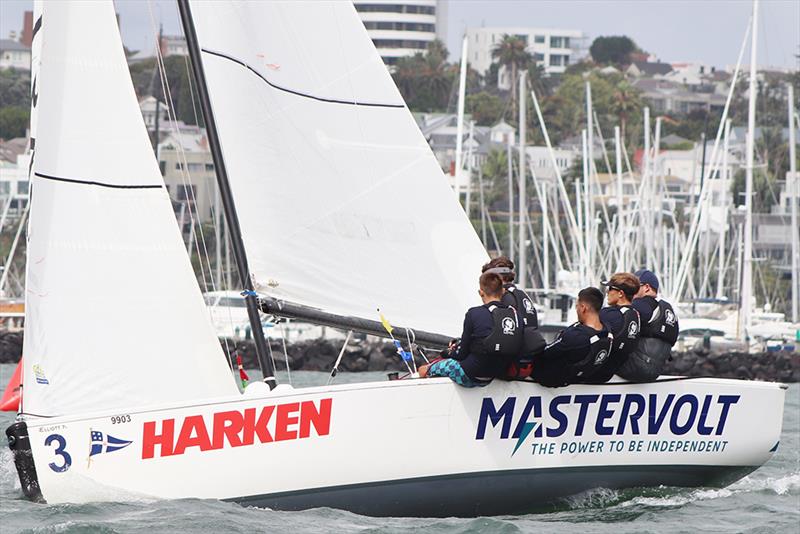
342 205
115 318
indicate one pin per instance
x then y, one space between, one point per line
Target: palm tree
627 101
511 52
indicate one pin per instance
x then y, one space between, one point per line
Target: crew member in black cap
621 320
533 342
659 332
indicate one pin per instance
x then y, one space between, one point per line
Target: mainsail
114 314
342 205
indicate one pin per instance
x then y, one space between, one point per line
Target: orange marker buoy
10 400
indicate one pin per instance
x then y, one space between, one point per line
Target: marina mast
226 195
746 304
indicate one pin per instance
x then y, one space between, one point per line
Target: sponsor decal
102 443
568 418
633 329
509 326
236 428
528 305
38 372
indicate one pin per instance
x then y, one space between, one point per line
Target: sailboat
336 207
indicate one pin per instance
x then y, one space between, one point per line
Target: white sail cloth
114 316
342 205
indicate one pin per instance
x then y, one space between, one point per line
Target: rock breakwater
377 355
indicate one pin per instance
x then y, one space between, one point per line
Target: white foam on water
780 485
8 472
594 498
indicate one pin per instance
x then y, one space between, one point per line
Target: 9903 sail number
119 419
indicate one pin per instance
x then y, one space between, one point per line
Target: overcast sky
710 31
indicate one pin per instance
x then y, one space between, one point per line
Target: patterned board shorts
452 369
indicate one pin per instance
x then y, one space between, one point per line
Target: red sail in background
10 400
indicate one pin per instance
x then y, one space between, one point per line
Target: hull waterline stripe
298 93
513 491
100 184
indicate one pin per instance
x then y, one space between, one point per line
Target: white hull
416 447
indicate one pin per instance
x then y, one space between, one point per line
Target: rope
285 352
166 91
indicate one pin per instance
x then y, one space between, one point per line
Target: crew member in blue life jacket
580 350
622 320
490 339
659 332
533 342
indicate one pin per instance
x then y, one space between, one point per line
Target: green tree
13 121
15 88
426 80
486 109
627 101
146 81
614 50
511 52
764 184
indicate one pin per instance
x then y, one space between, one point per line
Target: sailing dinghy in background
342 209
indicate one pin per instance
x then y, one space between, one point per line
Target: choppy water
766 501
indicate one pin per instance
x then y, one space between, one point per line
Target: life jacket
505 341
533 342
523 304
663 324
600 347
626 340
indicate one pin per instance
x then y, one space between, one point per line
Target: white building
174 45
14 186
14 55
188 170
541 161
554 49
148 107
403 28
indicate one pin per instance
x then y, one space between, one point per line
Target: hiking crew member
658 334
533 342
622 321
580 350
490 340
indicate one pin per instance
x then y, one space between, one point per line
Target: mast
745 317
590 223
795 181
510 201
724 227
462 88
646 201
523 198
620 219
232 219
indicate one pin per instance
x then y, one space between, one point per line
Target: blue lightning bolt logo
527 428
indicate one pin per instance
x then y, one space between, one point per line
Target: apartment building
402 29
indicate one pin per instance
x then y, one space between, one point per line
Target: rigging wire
185 178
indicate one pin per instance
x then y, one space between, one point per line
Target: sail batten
299 93
343 208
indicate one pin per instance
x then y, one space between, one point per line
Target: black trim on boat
91 182
20 445
516 491
298 93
